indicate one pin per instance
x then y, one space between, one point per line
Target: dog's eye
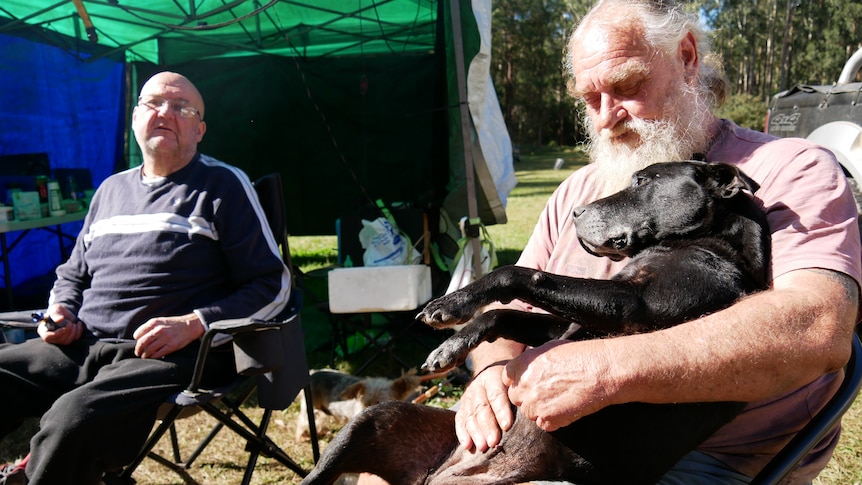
639 180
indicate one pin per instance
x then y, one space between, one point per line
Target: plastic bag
385 245
463 273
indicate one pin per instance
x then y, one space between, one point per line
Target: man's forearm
766 344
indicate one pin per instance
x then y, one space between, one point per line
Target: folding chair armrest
233 327
241 325
237 326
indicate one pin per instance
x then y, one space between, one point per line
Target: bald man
166 248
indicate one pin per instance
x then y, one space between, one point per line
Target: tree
767 46
529 38
770 45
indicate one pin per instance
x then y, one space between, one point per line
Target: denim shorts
695 468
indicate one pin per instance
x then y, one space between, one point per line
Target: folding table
51 224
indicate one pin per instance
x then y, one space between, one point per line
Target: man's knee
70 412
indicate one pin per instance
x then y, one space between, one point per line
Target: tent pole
472 206
92 36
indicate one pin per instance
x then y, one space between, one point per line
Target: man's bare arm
764 345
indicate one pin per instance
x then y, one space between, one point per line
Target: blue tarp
74 111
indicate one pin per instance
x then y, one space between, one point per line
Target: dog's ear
354 391
730 180
405 385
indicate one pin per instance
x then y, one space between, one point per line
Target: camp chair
270 357
789 457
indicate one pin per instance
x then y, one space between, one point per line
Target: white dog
343 395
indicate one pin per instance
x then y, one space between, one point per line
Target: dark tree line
770 45
767 46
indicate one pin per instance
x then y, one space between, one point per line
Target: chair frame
825 420
397 325
226 410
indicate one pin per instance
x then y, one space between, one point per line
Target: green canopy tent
351 101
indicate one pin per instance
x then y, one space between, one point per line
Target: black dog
697 243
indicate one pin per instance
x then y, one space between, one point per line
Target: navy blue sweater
196 240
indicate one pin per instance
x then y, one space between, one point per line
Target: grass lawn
222 463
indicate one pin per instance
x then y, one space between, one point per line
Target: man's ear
202 128
689 57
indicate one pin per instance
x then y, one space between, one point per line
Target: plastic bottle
55 200
42 188
73 188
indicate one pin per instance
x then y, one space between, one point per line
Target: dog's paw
445 357
435 317
445 312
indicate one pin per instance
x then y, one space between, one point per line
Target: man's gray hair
665 24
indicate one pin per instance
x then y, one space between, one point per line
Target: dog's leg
602 304
302 424
532 329
645 295
397 441
460 306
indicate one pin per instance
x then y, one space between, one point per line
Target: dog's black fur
697 243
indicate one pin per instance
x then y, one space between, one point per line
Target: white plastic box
368 289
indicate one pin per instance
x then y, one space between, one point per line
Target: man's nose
611 112
166 109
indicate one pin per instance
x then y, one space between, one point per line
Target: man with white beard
649 84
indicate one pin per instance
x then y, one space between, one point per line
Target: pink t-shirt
812 218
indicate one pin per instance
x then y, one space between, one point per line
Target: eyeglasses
179 108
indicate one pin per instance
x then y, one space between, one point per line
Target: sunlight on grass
537 178
846 464
313 252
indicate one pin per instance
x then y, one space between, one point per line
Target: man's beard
684 130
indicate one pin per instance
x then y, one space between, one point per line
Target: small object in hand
50 324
